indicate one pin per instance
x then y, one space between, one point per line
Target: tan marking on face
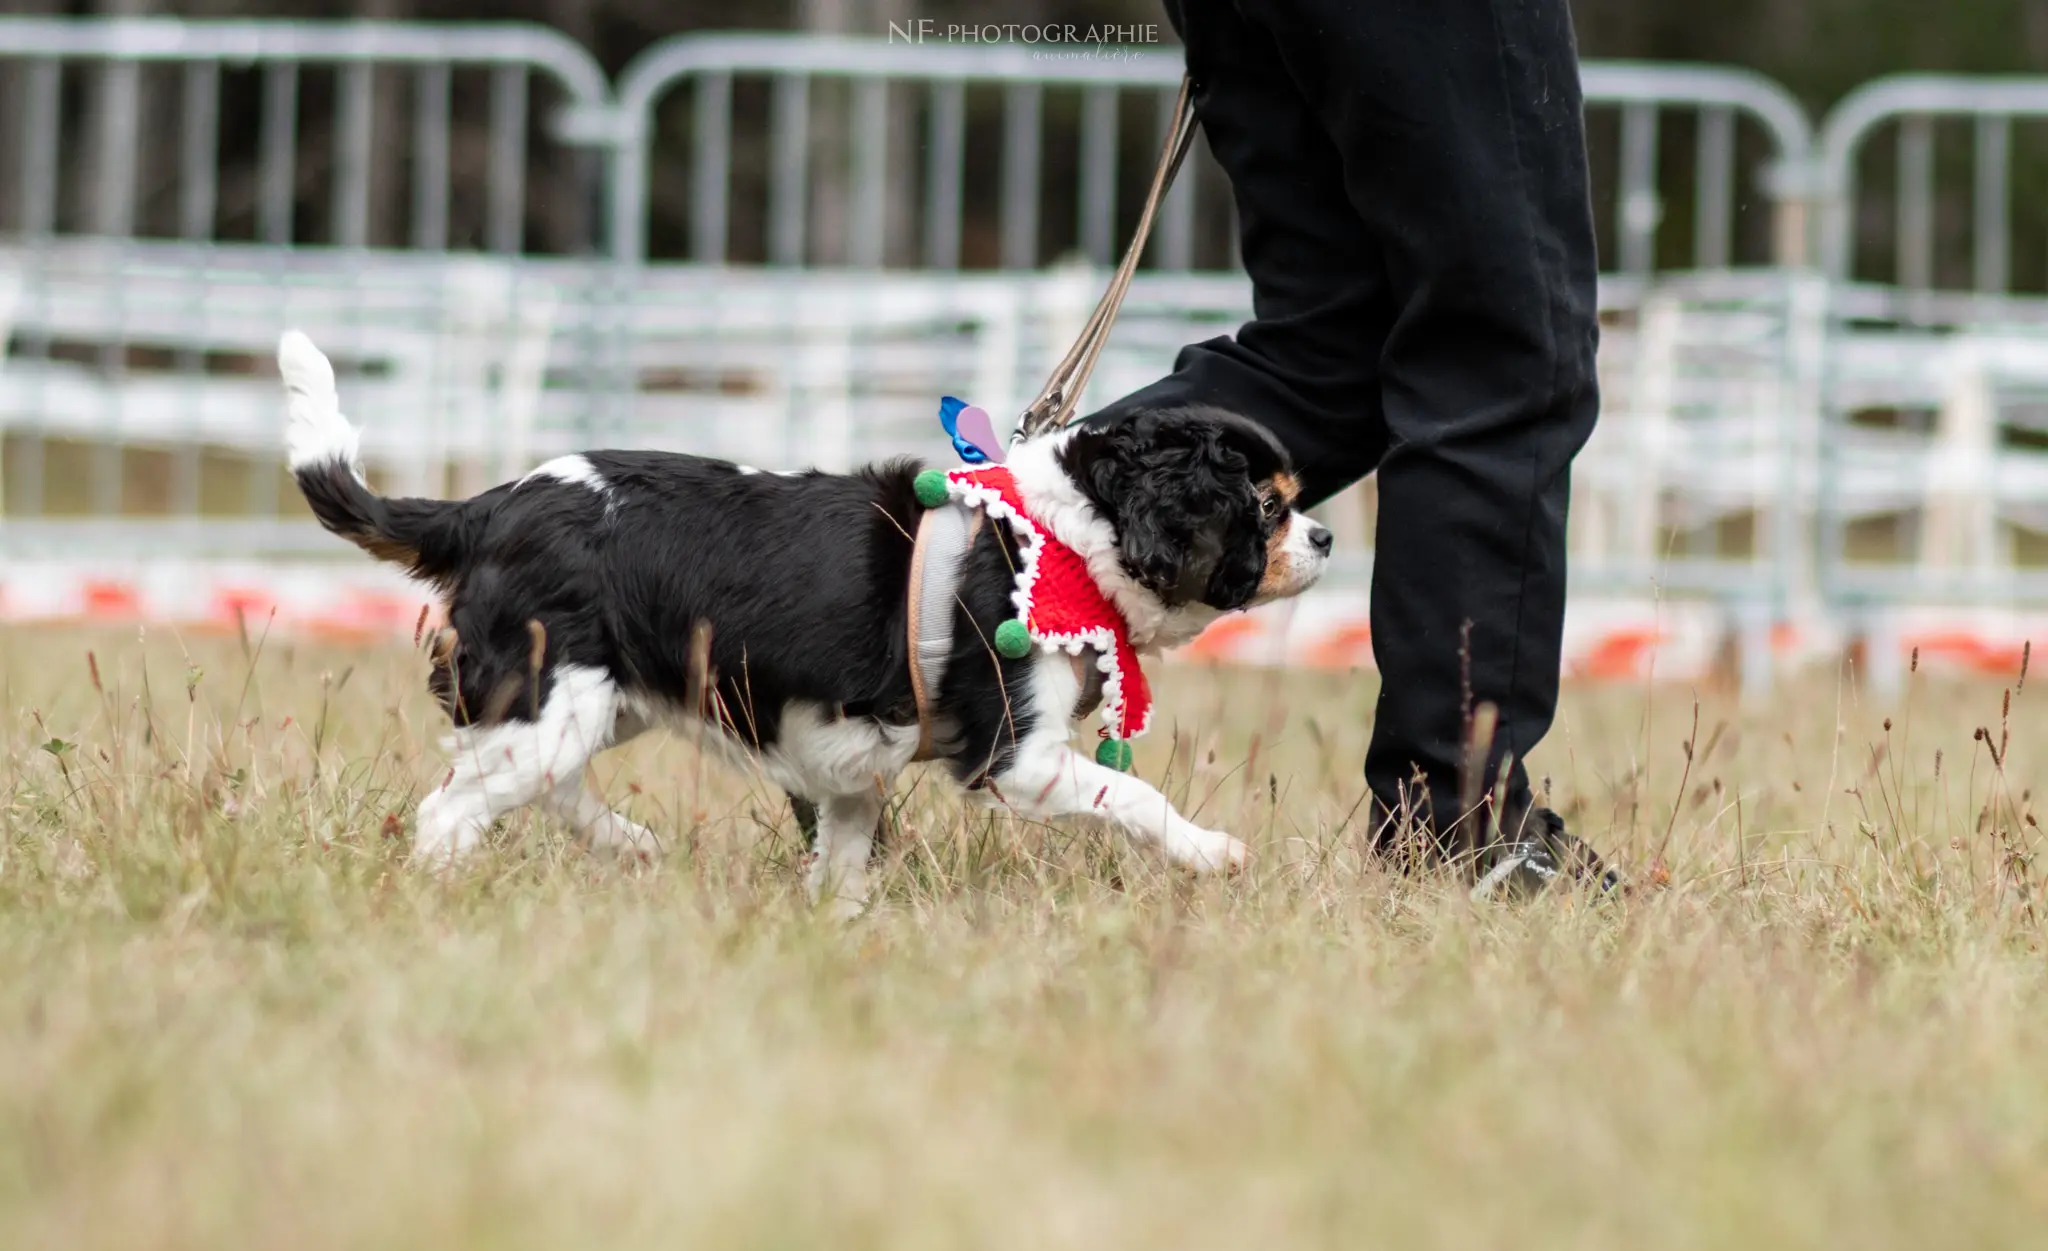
1287 487
1278 579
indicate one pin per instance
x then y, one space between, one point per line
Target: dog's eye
1270 506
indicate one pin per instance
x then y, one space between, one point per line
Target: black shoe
1529 859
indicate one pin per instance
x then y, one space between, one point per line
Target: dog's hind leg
603 829
497 768
838 876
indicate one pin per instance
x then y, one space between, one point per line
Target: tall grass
231 1016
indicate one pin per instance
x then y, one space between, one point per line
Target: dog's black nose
1322 540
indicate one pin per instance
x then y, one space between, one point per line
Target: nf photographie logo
1047 39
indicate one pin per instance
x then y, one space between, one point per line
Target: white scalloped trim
1031 538
1056 503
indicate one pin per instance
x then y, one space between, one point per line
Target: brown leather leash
1053 409
1055 404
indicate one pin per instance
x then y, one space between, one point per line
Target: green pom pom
1114 753
1012 639
930 487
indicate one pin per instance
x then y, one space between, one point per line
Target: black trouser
1411 182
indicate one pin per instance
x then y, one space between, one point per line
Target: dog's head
1202 502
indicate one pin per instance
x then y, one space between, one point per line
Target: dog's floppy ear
1241 563
1133 486
1171 491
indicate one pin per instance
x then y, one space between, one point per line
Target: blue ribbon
949 417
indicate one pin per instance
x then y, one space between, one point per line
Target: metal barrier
904 94
798 68
1935 469
832 123
779 247
1719 97
149 134
1913 104
155 120
118 50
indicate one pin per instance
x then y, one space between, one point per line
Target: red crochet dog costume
1058 600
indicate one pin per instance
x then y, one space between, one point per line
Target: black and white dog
607 593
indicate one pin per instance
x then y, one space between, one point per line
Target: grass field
231 1017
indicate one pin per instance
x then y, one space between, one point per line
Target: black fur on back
798 582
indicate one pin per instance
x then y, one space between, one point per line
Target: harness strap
937 556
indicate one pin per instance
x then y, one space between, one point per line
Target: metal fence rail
918 96
781 247
111 54
1935 472
1911 106
1717 98
829 128
932 83
153 124
351 131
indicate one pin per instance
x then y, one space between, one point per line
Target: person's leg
1307 364
1458 139
1464 152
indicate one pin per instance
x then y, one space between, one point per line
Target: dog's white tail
315 432
428 537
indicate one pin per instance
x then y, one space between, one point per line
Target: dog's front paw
624 842
1211 851
844 910
444 834
1235 855
842 896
